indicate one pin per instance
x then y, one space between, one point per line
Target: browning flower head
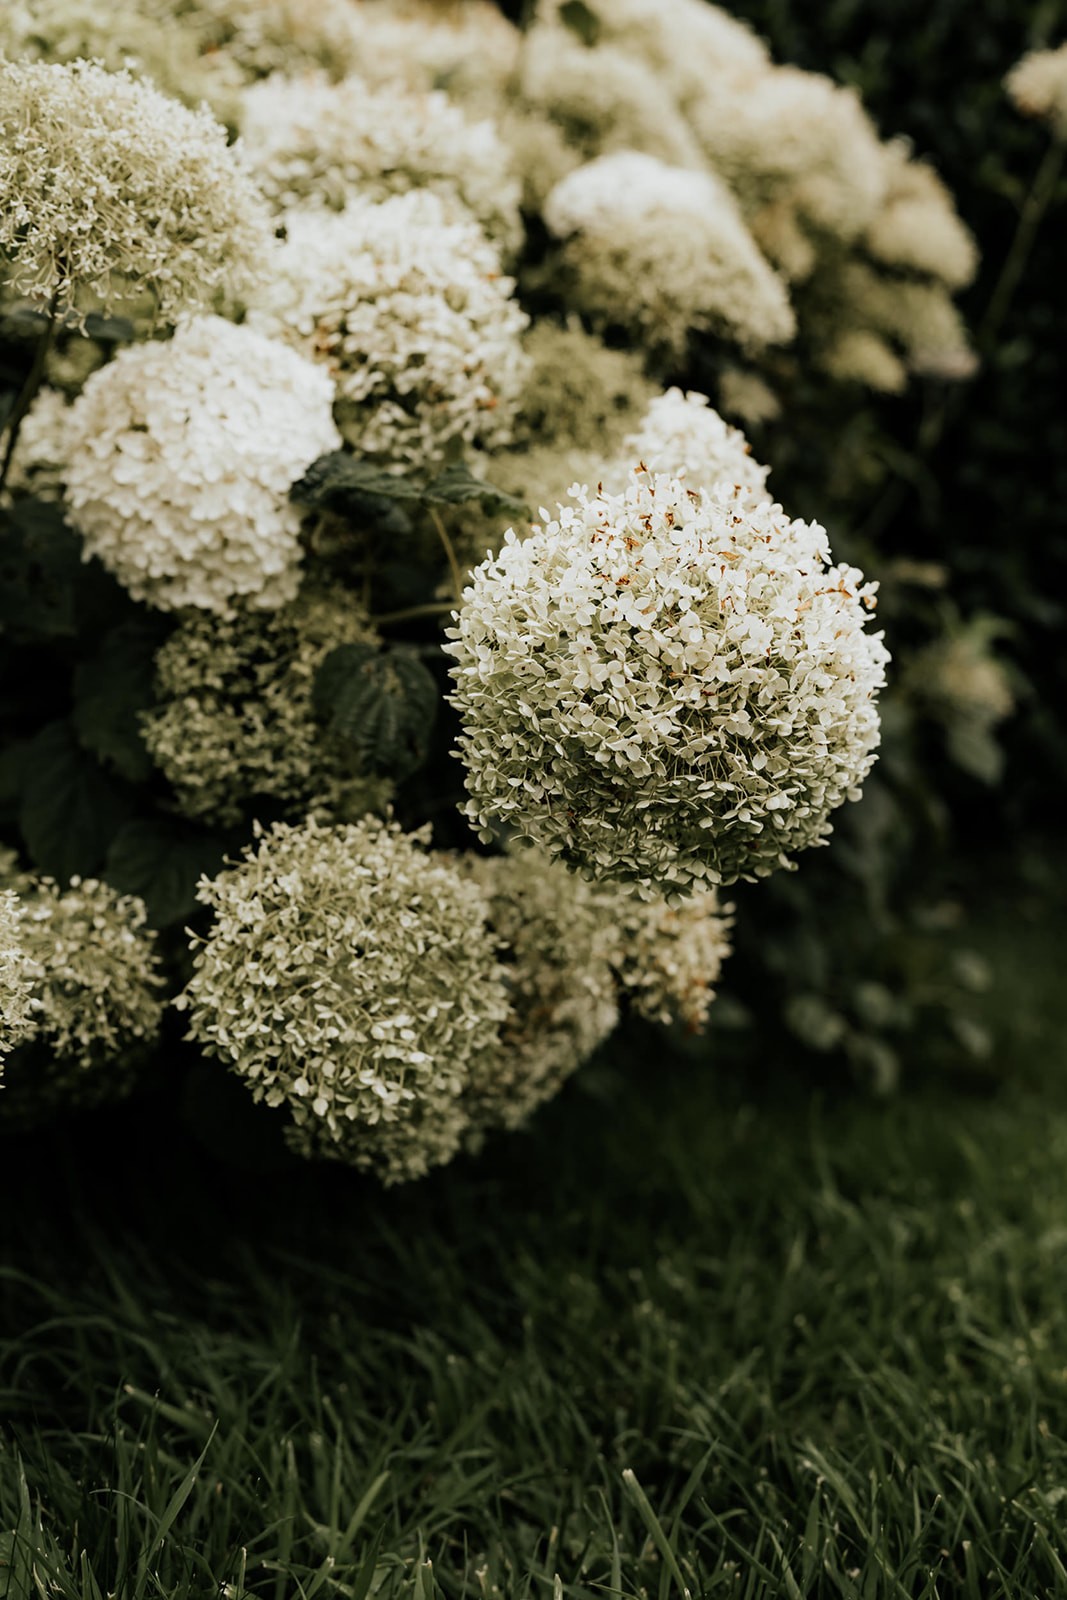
661 250
108 188
180 458
350 977
668 687
406 305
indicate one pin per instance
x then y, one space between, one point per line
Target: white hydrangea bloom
258 37
661 250
467 47
667 956
666 686
351 977
109 188
787 136
917 226
682 434
1037 86
603 99
555 943
407 306
307 139
17 972
42 448
180 460
690 44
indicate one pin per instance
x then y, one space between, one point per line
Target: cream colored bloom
1037 86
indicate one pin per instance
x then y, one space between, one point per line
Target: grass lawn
699 1330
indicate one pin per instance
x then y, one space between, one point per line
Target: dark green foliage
111 688
379 702
162 859
344 484
69 808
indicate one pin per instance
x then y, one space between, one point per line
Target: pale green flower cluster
120 34
1037 86
668 686
560 986
17 973
234 723
352 978
406 305
180 458
667 955
108 188
661 250
578 391
96 1008
309 140
961 683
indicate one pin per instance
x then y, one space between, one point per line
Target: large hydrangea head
180 458
350 977
109 189
555 943
234 727
667 955
684 435
666 686
661 250
307 140
95 1002
406 305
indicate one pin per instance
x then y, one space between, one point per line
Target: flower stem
450 552
436 608
13 423
1034 207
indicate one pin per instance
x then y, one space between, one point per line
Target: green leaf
70 808
381 703
47 589
162 860
110 689
580 19
343 483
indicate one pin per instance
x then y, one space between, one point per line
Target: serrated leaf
110 689
343 483
162 860
381 703
70 808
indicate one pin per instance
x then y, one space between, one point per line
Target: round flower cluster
916 228
665 686
682 434
407 306
180 460
579 391
120 35
234 722
96 1008
1037 86
561 991
661 250
108 188
667 957
16 976
352 978
310 140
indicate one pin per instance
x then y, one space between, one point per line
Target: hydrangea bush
373 437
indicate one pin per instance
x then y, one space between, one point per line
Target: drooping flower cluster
352 978
1037 86
406 305
661 250
307 140
108 188
667 956
562 1002
95 998
682 434
234 724
666 686
180 460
